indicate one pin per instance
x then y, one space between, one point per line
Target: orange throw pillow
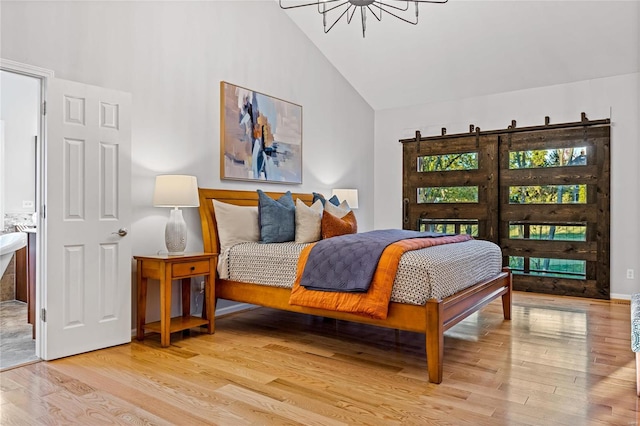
332 226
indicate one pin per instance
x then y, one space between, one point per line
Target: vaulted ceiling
470 48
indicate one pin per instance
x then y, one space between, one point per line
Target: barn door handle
405 210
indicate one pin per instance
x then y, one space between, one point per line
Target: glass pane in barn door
450 185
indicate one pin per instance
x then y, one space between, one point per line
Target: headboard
239 198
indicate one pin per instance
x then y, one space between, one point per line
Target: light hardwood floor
560 361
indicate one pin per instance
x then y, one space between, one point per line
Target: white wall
614 97
171 56
19 109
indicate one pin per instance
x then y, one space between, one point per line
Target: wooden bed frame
432 319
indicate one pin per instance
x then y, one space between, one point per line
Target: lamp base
175 233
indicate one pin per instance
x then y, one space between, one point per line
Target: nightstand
165 269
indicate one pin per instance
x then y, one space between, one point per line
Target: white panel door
87 291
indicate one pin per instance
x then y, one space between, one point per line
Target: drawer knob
193 268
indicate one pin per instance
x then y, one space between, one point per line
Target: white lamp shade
348 195
176 191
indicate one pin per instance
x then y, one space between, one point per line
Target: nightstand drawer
190 268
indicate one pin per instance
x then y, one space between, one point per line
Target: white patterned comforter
432 272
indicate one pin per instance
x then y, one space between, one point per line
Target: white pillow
308 219
338 211
236 224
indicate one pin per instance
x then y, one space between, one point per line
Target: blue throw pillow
333 200
277 218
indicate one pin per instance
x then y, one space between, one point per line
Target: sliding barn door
451 185
554 210
541 193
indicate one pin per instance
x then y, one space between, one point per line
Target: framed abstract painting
260 136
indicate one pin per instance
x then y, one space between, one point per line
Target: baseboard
618 296
233 309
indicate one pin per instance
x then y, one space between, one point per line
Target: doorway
81 295
20 132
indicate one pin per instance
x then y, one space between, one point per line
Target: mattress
429 273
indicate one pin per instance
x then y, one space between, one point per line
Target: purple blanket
347 263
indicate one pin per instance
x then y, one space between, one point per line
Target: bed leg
206 312
506 298
213 313
435 340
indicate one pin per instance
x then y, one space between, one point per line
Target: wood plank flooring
560 361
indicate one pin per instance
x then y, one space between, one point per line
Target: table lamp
176 191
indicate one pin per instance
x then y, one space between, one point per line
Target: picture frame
260 136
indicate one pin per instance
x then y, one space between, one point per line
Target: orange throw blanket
375 302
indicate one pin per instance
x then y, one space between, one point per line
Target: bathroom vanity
25 276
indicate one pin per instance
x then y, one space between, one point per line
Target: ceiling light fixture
334 10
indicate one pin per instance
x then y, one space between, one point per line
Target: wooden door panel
484 178
588 175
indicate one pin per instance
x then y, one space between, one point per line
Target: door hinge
43 211
44 108
43 315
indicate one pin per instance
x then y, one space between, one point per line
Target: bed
432 318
